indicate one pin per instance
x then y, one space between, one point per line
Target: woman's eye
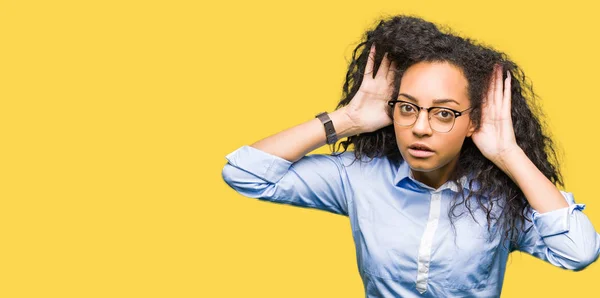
444 114
406 108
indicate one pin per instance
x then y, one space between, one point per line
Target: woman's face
425 82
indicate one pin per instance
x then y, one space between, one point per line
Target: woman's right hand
367 109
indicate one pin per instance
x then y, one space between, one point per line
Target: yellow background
116 117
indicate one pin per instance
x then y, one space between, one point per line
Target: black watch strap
329 129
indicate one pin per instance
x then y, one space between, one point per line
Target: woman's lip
420 153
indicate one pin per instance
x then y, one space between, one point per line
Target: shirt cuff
556 221
259 163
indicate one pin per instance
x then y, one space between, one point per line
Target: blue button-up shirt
405 245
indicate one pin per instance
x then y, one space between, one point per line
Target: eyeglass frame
419 108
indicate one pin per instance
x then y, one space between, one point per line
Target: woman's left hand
496 136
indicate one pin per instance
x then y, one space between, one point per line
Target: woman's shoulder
363 167
350 158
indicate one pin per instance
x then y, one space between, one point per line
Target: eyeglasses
440 119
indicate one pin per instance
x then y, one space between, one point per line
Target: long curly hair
410 39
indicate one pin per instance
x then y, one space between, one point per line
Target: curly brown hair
410 39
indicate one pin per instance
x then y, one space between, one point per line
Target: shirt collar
404 173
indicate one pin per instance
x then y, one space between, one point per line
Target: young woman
454 170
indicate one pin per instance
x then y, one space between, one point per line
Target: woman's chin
420 164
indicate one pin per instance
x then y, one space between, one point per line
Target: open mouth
418 150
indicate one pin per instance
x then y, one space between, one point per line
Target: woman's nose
421 126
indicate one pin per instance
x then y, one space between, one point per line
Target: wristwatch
329 129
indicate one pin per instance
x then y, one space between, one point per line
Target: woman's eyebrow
435 101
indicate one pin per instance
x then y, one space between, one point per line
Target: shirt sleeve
564 237
314 181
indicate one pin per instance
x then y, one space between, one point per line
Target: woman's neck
437 177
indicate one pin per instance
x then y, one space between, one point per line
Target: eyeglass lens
440 119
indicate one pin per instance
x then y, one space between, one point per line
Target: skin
427 81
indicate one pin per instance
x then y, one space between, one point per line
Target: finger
391 72
489 100
370 61
498 90
390 78
383 67
507 94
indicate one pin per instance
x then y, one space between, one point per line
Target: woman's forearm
295 142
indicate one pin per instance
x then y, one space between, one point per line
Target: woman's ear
471 129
